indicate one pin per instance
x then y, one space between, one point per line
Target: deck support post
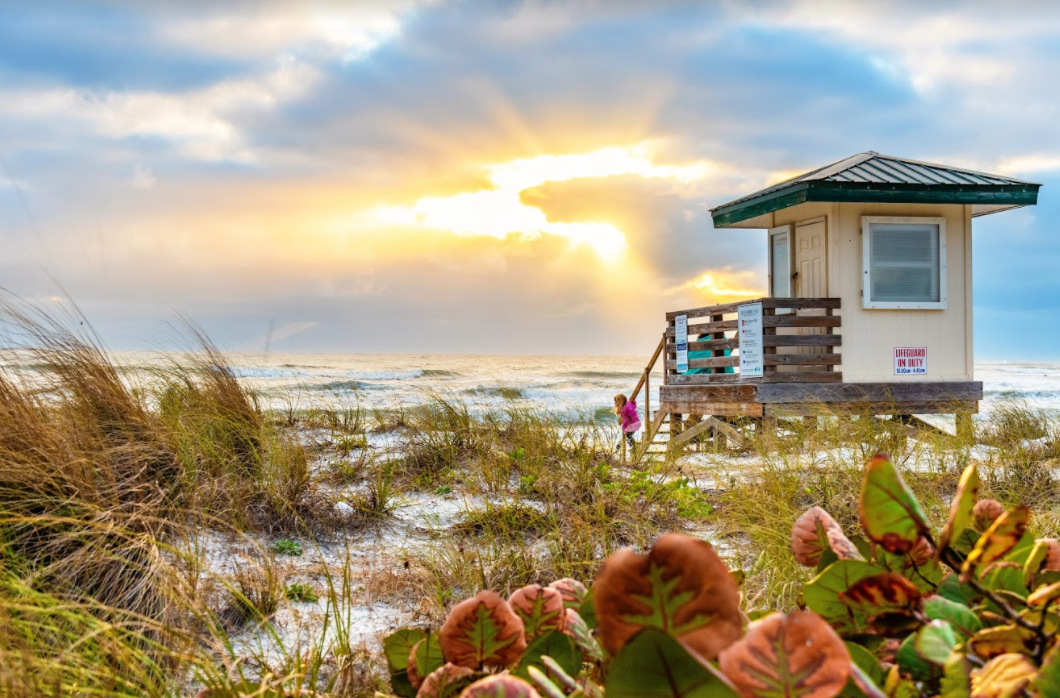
677 424
965 429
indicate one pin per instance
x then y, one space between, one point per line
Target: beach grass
157 535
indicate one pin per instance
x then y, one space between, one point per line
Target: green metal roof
874 178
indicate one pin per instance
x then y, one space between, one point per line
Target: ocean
576 386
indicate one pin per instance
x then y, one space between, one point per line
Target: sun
499 212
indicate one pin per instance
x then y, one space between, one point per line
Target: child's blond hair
620 402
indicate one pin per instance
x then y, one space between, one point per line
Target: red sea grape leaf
500 686
1000 538
482 631
890 514
961 507
573 592
1003 676
815 532
888 600
796 655
985 512
447 681
680 586
540 608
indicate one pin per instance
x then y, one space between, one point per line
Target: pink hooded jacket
628 417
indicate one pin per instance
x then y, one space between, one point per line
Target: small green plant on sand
898 611
301 592
442 490
286 546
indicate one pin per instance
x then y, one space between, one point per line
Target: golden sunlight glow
500 212
726 284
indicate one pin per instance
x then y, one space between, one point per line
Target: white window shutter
780 263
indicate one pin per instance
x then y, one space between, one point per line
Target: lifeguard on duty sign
910 361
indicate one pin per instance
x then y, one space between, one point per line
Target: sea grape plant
895 612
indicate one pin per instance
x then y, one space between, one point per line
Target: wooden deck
802 375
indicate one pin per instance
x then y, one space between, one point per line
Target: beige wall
869 336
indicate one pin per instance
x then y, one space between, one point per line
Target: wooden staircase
658 437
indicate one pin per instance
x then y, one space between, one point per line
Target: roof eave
1009 196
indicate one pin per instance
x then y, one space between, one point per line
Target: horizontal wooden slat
768 360
803 377
776 321
716 362
744 392
773 340
776 303
873 392
802 359
718 409
705 378
806 409
803 340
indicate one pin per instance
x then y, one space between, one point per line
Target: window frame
789 231
866 262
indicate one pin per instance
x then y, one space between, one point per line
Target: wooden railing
802 351
644 382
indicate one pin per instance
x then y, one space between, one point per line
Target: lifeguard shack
869 309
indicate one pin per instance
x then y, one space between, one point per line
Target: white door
810 249
811 271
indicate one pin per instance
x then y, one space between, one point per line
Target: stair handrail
651 364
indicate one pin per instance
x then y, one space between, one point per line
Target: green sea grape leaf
961 618
866 673
653 664
935 641
953 589
587 611
956 679
821 594
397 646
583 637
864 683
912 664
1048 681
890 514
1005 576
680 586
545 686
554 644
961 508
427 655
1033 564
791 655
999 539
482 631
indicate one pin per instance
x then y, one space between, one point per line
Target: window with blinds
780 263
904 263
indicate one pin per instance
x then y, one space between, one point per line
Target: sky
489 177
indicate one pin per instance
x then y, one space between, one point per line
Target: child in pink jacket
628 419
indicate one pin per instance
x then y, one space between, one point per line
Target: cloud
202 124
